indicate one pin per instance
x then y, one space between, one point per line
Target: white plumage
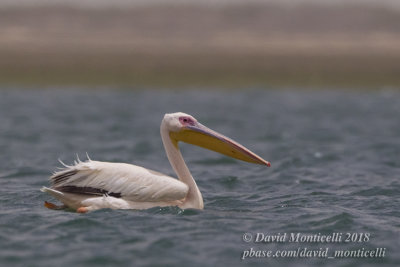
130 182
92 185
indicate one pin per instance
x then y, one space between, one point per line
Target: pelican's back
119 180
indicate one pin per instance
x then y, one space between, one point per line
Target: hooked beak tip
268 164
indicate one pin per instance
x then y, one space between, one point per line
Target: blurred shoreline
253 45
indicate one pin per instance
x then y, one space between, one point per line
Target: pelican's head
184 127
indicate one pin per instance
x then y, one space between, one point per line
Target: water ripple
334 158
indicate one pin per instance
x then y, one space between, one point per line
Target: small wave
229 181
161 244
377 190
338 221
320 193
172 210
23 172
78 222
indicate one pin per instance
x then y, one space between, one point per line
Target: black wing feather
86 191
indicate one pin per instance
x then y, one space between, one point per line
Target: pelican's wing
119 180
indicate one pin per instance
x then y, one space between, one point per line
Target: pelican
92 185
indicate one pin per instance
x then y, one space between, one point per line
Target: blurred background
183 44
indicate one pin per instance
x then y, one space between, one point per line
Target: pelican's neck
193 198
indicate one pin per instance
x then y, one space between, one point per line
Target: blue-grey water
335 159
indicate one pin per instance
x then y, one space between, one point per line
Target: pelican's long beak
202 136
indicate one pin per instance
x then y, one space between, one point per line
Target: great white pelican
92 185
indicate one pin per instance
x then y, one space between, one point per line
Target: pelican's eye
185 121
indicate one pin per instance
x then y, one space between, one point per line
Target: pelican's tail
54 193
73 201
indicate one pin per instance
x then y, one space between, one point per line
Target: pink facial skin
187 121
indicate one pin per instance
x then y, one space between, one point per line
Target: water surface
335 169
